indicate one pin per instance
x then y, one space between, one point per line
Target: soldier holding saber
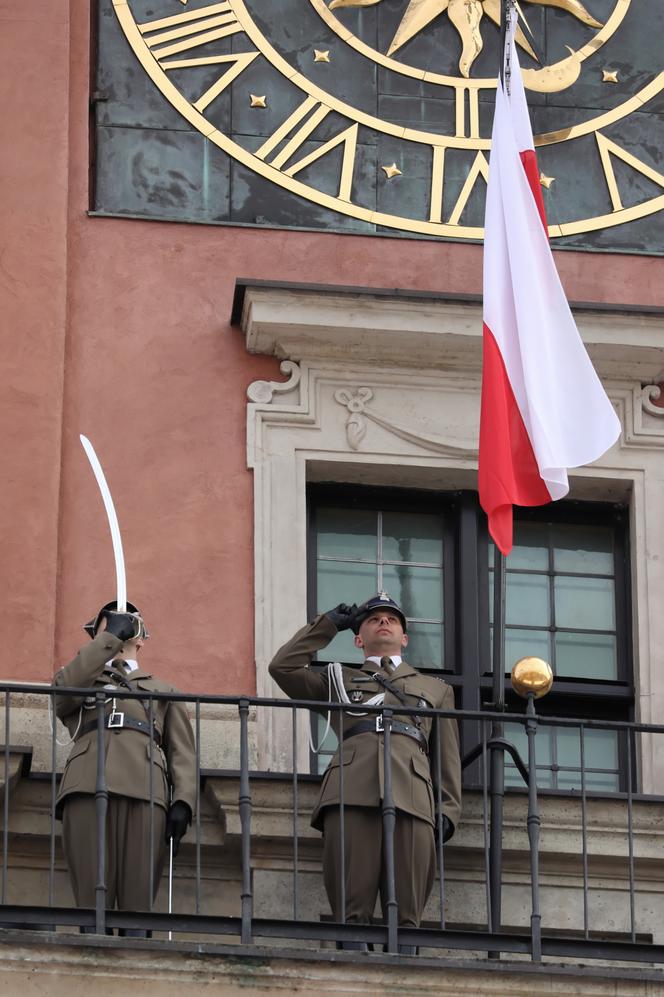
109 663
149 754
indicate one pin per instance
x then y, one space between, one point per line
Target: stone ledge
303 323
34 963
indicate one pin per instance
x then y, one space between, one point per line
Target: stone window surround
383 388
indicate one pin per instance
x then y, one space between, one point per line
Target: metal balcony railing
641 941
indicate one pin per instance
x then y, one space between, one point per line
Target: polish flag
543 409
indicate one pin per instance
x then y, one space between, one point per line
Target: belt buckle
379 723
116 720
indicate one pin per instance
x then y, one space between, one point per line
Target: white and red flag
544 409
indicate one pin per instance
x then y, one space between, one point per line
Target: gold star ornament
546 181
320 56
255 101
609 76
391 171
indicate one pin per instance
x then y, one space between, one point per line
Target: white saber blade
121 579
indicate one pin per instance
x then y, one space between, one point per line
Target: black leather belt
376 725
119 721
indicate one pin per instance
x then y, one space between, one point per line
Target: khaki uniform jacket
127 751
413 771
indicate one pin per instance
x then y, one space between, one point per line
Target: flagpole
497 770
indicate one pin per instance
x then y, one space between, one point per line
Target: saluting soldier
384 679
134 741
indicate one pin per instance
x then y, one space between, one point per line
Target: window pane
344 582
341 648
347 533
602 782
516 733
586 549
600 749
530 548
526 644
419 591
589 656
569 747
425 645
598 782
585 603
411 537
527 600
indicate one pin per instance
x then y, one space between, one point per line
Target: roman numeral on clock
182 32
188 30
310 112
609 149
479 168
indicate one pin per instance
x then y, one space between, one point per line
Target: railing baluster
198 806
295 812
101 807
51 857
389 823
533 832
485 825
584 832
630 838
151 792
5 808
245 823
438 768
342 822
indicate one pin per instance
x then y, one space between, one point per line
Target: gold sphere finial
532 675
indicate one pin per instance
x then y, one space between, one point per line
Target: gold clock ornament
378 112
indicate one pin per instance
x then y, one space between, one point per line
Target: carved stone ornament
263 392
357 400
650 393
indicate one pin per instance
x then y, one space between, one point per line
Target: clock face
375 115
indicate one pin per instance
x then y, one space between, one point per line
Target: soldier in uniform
131 747
383 679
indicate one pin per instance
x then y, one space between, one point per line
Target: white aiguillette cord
335 677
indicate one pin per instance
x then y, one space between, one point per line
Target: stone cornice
306 324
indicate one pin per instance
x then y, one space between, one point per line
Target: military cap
92 625
379 601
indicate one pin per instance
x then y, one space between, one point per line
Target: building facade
242 254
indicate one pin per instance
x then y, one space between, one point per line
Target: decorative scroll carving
263 392
356 426
650 393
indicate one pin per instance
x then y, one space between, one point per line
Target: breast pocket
421 787
329 791
159 771
81 764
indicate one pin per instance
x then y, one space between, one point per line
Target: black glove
447 829
177 822
342 616
121 625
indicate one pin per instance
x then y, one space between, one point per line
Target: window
567 601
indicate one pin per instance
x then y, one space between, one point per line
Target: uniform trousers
364 878
127 850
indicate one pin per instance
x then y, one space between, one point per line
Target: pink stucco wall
120 329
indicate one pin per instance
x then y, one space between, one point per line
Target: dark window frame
466 597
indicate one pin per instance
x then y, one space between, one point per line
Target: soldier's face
381 633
